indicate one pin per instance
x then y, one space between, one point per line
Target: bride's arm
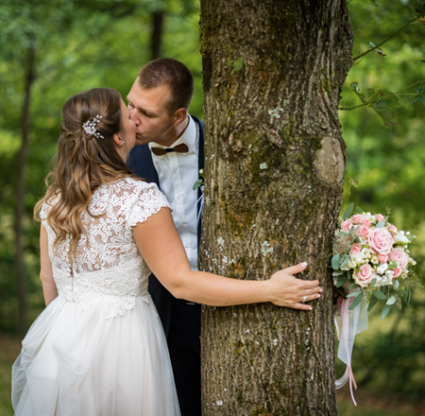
46 272
160 245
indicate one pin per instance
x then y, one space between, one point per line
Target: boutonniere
200 181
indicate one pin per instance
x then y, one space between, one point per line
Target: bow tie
159 151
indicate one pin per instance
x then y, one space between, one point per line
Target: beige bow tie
159 151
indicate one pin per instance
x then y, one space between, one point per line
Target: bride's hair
86 158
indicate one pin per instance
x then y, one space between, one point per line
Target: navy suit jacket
141 163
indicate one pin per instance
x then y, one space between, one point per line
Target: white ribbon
353 322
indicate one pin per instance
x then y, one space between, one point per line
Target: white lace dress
99 349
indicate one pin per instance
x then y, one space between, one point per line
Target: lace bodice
108 265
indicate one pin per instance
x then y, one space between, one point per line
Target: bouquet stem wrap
353 322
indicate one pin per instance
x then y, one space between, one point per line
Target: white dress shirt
177 172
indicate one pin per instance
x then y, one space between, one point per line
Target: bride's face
127 133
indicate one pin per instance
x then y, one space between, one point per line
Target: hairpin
90 127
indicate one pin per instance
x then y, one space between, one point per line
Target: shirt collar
188 137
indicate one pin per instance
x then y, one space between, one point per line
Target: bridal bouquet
371 262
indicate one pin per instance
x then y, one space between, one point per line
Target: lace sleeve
150 200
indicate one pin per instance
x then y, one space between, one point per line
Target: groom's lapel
200 166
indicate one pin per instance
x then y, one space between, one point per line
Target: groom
171 153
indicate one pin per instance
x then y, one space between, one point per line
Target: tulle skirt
82 363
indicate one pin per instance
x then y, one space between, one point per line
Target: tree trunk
156 34
275 165
20 191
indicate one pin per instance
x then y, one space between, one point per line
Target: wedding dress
99 349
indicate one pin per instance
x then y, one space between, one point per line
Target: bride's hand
292 292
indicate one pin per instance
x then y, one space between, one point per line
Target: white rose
382 268
389 274
401 238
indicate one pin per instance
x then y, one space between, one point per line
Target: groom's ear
179 116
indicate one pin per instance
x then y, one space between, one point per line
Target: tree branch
386 40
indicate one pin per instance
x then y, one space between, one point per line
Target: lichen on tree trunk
275 165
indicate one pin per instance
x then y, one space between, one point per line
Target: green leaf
335 261
348 211
197 184
354 294
373 282
359 210
356 302
385 311
344 260
372 303
340 282
420 7
387 106
353 286
420 98
378 294
374 3
380 224
355 87
236 65
391 300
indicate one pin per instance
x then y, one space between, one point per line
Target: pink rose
355 248
364 276
358 218
380 240
399 255
346 225
366 223
363 231
379 217
383 258
397 272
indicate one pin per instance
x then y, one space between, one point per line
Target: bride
98 348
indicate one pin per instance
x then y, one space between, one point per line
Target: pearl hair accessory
90 127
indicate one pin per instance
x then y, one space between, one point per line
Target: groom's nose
133 117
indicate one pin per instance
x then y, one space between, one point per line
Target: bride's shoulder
134 185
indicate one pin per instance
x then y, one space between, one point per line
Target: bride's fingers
308 292
303 304
296 269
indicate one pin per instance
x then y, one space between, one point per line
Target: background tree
275 164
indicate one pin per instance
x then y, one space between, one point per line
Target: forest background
73 46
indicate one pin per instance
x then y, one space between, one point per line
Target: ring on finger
304 299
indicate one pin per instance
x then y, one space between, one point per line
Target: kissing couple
120 334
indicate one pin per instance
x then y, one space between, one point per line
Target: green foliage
236 65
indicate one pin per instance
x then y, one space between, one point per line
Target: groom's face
148 109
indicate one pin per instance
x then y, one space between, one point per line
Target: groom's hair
174 74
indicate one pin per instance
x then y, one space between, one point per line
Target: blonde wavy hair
83 162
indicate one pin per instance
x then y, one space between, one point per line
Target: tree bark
275 165
20 191
156 34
